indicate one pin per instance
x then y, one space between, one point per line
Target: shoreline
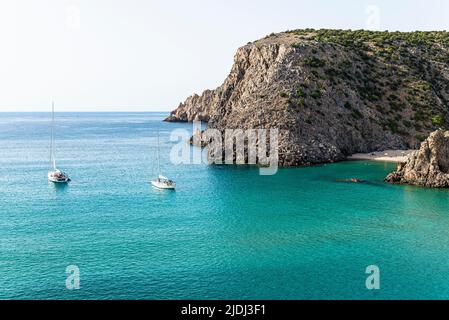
395 156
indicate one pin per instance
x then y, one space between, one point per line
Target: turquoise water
226 233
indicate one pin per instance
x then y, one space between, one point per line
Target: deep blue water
226 233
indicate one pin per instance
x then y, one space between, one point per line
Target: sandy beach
386 156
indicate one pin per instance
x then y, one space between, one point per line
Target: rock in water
352 180
332 93
427 167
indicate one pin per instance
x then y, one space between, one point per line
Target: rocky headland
332 93
427 167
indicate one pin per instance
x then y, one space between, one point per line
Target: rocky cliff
195 108
427 167
333 93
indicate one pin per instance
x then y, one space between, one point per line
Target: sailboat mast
52 149
158 156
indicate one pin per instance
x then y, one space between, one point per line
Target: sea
227 232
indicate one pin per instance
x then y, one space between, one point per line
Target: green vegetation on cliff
397 74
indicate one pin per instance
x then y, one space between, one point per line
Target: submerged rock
427 167
352 180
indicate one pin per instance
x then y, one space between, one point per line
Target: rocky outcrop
427 167
332 93
195 108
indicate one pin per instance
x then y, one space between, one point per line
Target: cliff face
332 93
427 167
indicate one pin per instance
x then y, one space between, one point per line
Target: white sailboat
162 182
55 175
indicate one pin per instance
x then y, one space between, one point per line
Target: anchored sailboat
55 175
162 182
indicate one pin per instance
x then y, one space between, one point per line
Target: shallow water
226 233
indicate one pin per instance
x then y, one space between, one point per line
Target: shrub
296 103
419 116
393 97
393 126
380 108
424 86
316 94
314 62
406 123
438 120
418 127
397 106
348 105
356 114
300 93
420 137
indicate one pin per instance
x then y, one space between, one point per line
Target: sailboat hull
59 181
161 185
58 177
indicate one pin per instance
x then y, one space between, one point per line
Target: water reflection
59 188
163 194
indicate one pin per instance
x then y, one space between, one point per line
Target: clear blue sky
100 55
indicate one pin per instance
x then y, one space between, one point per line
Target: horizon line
99 111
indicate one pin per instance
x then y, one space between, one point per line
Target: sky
148 55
